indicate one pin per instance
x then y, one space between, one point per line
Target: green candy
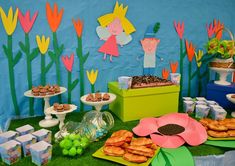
68 144
65 152
72 151
76 143
62 143
79 151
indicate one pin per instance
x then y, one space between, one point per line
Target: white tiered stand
48 121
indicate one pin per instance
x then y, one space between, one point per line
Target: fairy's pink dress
110 46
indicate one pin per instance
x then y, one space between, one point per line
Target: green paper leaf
85 57
47 68
156 27
61 48
5 50
34 54
194 74
74 84
17 58
22 46
226 143
52 55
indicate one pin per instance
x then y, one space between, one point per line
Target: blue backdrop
195 14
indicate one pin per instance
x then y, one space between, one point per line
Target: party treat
217 134
66 107
60 108
123 133
202 111
7 136
42 135
149 81
115 141
113 151
26 129
189 106
142 142
106 97
140 150
55 105
134 158
10 152
45 90
90 97
26 141
233 96
98 96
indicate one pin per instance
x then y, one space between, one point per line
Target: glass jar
94 126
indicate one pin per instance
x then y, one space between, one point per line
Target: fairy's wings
103 33
123 38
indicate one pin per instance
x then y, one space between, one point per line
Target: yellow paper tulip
92 76
199 57
43 43
9 22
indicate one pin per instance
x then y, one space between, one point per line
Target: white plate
29 93
112 98
52 111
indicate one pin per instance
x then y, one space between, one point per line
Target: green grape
76 143
62 143
79 151
68 144
72 151
65 152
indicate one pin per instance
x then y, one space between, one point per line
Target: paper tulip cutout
189 130
68 63
43 44
78 26
165 73
115 29
174 66
27 25
54 19
25 21
9 23
179 29
190 49
92 76
199 57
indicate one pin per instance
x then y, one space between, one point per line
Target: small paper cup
202 111
187 99
211 102
200 98
175 78
200 102
124 82
219 114
189 106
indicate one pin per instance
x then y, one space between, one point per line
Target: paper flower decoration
199 57
218 29
92 76
53 17
179 29
25 21
210 30
68 62
190 49
172 130
165 74
10 21
78 25
174 66
43 43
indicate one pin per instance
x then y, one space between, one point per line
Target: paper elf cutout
27 25
78 25
54 19
92 76
115 29
9 23
68 63
149 45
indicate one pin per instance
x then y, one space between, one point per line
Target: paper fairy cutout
149 45
27 24
9 22
115 29
68 63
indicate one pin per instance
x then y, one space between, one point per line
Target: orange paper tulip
78 27
218 29
174 66
53 17
190 49
165 73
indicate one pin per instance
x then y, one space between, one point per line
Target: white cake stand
232 100
223 72
99 104
61 115
48 121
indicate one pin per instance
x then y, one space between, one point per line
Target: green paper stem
189 78
43 73
69 86
92 88
182 55
199 81
82 60
56 57
11 63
